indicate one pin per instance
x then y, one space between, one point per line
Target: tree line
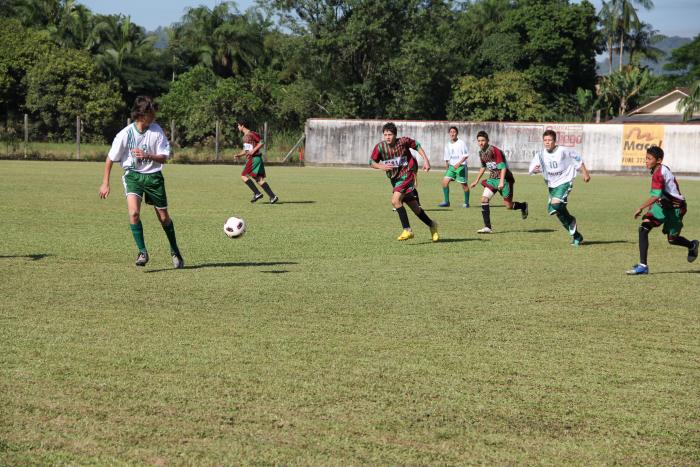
284 61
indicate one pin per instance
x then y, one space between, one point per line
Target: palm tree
627 19
642 42
608 20
620 88
691 103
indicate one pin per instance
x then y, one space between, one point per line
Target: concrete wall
350 142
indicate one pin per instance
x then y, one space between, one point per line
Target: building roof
663 109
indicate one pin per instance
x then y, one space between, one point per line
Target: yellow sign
635 141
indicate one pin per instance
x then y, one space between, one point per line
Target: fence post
216 140
597 116
265 142
172 131
26 134
77 136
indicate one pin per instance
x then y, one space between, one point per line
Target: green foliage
686 59
64 84
506 96
198 98
690 105
622 90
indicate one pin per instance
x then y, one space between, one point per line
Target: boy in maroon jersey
500 180
667 208
254 166
394 157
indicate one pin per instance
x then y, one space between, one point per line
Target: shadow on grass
36 257
294 202
276 271
451 240
697 271
602 242
228 265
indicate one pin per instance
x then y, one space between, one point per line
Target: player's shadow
451 240
276 271
697 271
35 257
602 242
295 202
228 265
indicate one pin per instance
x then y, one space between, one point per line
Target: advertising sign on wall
635 141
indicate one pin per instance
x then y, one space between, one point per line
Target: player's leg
411 199
155 195
648 223
507 192
672 228
397 203
134 190
446 189
558 201
489 191
259 170
461 178
245 176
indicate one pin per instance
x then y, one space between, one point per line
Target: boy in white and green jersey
141 149
456 154
559 167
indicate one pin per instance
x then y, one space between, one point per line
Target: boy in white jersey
559 166
141 149
667 207
456 155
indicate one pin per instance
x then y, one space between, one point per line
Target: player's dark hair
482 134
656 152
242 122
143 105
390 127
453 128
551 133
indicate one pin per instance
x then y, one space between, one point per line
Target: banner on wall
635 141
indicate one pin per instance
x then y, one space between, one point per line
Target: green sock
446 194
170 233
466 197
137 232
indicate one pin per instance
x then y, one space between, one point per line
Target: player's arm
461 161
478 176
104 188
584 172
426 161
142 155
535 167
649 202
502 180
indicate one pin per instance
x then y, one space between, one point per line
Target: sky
669 17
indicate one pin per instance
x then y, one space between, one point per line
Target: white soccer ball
234 227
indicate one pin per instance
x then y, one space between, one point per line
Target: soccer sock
268 190
424 217
518 205
643 244
137 232
680 241
170 233
446 193
403 217
486 213
466 197
564 217
252 187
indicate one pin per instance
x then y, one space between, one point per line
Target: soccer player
394 156
456 155
667 207
500 180
254 167
559 166
141 148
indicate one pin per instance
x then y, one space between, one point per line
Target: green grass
318 339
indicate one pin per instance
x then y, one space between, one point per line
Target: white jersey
558 167
152 141
454 152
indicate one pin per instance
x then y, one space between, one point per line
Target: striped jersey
493 159
399 155
558 167
250 140
665 186
152 141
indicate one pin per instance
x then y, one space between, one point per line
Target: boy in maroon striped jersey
667 208
500 180
254 166
394 157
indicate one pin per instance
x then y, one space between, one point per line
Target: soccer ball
234 227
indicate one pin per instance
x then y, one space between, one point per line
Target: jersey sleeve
410 143
534 163
119 149
576 158
375 156
163 145
657 183
465 149
499 159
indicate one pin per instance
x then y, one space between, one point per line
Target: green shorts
149 187
492 184
458 175
671 218
560 193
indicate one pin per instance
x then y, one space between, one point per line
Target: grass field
318 339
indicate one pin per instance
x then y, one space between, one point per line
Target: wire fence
23 139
